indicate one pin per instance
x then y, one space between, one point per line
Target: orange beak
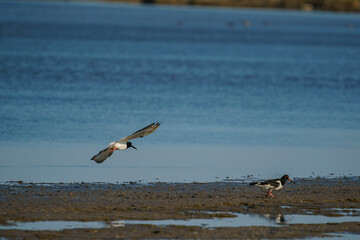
291 180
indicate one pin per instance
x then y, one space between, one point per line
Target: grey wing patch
142 132
102 155
147 130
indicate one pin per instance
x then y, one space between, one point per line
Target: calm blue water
281 95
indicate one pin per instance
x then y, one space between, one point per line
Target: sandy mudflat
26 202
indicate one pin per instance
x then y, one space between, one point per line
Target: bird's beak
291 180
134 147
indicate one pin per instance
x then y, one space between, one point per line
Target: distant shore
308 5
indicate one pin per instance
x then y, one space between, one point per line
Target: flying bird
124 143
273 184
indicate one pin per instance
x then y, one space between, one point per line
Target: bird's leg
271 194
267 194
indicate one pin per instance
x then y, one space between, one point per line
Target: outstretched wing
102 155
141 133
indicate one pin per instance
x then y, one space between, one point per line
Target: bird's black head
284 178
129 144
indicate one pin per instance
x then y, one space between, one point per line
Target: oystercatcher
273 184
124 143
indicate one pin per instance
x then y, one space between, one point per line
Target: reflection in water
279 218
117 224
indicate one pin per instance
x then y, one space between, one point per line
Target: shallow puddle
347 211
51 225
244 220
239 220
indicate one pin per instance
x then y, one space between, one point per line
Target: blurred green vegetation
306 5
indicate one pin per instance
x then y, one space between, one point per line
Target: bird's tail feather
254 183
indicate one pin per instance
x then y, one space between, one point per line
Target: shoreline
86 202
311 5
308 6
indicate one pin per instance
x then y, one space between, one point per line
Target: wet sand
26 202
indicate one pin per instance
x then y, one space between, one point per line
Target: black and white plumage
273 184
124 143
